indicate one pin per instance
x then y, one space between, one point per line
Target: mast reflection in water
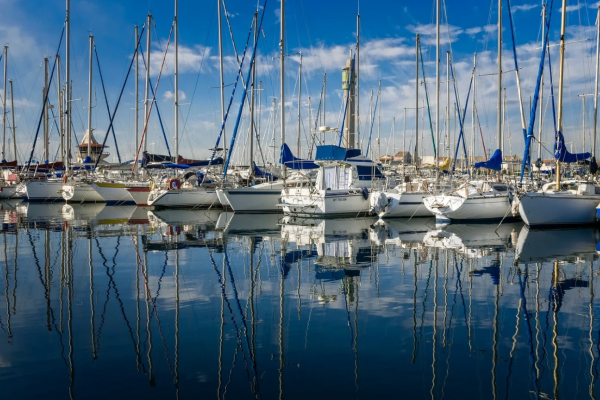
120 302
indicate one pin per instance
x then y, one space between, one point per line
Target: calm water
117 302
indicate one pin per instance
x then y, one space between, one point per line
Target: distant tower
349 89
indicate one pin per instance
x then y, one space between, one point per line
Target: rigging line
480 131
244 93
157 110
45 101
147 117
107 106
427 99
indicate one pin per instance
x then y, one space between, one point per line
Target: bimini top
335 153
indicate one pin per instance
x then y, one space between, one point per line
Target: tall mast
299 104
252 99
596 84
137 93
357 78
68 84
448 101
324 97
176 79
542 87
473 116
282 78
89 120
61 125
45 105
274 125
437 91
222 81
4 104
499 131
561 72
416 160
379 122
147 87
12 113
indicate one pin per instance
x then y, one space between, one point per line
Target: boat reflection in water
186 304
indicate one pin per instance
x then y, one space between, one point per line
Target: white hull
183 198
197 218
223 198
81 193
44 190
404 205
250 200
547 209
478 208
140 195
81 212
113 193
323 203
8 191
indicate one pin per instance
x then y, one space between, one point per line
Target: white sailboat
568 203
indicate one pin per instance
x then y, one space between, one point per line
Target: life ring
174 184
64 178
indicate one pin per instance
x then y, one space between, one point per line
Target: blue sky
324 32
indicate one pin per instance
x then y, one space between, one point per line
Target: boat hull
113 193
81 193
404 205
8 192
44 191
324 203
558 209
183 198
248 200
139 195
480 208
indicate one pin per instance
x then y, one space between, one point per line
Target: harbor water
104 302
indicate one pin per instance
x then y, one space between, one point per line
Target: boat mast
357 69
252 99
147 88
137 94
473 116
45 105
436 145
176 84
379 122
12 113
222 84
448 102
282 78
61 126
68 87
4 104
499 131
299 103
416 160
89 119
561 73
596 84
542 88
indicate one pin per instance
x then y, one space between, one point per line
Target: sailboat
561 203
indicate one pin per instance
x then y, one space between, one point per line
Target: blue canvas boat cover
335 153
495 161
287 158
562 154
262 174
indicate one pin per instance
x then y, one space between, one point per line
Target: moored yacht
344 181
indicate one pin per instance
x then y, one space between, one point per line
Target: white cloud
169 95
523 7
190 59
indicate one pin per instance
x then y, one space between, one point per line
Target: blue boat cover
263 174
495 161
287 158
562 154
335 153
178 166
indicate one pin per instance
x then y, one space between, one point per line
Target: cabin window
368 172
500 188
336 177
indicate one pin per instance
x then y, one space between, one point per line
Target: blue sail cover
495 162
562 154
262 174
287 158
